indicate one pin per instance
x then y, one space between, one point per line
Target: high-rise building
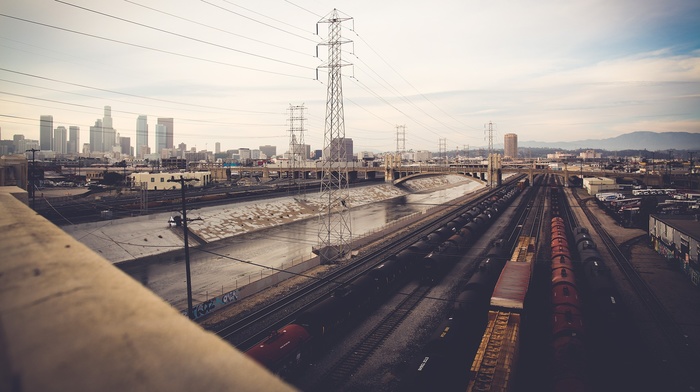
60 139
109 134
73 139
161 143
217 148
18 140
46 132
107 120
169 131
342 146
510 146
96 144
268 150
125 145
141 135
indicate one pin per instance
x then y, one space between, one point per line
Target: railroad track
246 332
345 367
686 358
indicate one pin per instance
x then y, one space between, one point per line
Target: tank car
284 351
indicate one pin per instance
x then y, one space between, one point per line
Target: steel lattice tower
297 149
335 234
442 151
493 159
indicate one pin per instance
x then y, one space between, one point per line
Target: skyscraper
73 139
510 145
60 139
141 135
338 146
161 131
109 134
96 136
46 133
125 145
169 131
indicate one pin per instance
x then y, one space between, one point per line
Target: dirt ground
673 288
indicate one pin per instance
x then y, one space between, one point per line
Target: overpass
397 172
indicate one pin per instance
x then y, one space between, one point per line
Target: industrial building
599 184
159 181
677 237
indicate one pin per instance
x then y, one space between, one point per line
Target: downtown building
46 133
510 146
340 149
142 137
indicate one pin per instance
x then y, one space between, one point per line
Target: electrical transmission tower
489 135
297 149
400 139
335 234
442 148
494 160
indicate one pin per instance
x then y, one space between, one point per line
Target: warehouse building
159 181
677 237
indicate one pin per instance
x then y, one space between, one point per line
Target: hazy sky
227 70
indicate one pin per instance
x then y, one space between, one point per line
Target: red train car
284 350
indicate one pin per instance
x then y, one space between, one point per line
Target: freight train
288 348
582 290
567 321
448 352
497 354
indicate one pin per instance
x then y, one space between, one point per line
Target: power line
181 35
257 21
151 48
216 28
128 94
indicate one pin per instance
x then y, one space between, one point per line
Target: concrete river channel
231 262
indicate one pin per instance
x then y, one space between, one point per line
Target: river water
230 263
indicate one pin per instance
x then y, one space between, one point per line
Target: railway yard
421 309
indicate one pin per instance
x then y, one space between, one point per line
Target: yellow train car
497 354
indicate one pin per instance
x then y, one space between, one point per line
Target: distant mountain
652 141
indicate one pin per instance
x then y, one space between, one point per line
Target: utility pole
32 178
182 181
335 235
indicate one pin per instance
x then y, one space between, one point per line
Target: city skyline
542 70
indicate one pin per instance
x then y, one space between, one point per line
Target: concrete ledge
70 321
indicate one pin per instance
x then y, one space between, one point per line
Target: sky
228 71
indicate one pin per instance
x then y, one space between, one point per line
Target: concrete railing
70 321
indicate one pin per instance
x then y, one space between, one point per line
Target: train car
563 275
567 320
587 255
445 232
602 289
569 360
324 318
497 353
439 261
565 294
284 350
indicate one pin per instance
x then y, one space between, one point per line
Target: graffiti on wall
213 304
